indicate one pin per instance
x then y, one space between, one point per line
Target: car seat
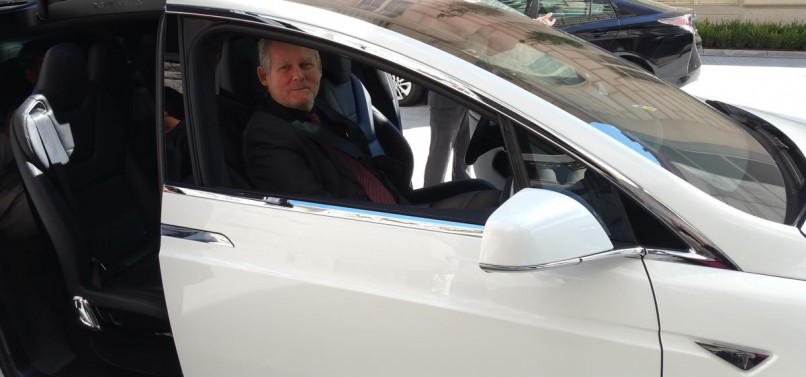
73 142
238 93
343 91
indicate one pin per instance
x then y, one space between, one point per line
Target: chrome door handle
196 235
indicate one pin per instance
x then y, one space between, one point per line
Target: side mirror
538 229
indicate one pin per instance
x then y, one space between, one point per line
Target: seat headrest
63 79
108 66
336 68
237 69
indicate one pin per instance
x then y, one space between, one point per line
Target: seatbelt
327 136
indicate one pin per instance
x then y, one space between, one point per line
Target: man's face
293 75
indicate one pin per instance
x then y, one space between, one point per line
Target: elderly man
295 145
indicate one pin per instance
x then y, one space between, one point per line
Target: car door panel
307 292
740 310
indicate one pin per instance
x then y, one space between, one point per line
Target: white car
634 230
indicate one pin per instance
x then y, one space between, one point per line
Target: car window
642 7
551 168
575 12
352 155
687 138
175 123
489 172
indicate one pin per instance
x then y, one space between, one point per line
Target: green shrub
736 34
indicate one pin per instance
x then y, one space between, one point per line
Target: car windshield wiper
787 155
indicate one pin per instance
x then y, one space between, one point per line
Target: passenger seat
343 91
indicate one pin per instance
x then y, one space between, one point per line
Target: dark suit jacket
286 159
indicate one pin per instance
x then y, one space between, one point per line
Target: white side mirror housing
538 229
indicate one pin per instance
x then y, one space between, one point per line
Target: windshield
672 129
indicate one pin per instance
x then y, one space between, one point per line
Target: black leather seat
238 93
74 141
346 93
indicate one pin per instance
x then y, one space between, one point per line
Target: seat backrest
345 93
238 93
71 143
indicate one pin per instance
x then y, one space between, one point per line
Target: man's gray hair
263 53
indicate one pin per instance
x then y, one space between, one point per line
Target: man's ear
263 76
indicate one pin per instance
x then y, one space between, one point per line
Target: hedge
745 35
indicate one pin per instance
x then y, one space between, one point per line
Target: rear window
632 8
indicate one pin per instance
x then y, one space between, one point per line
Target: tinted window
640 8
519 5
574 12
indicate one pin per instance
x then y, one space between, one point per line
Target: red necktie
314 118
375 189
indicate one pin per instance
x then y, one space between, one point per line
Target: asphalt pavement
772 84
766 83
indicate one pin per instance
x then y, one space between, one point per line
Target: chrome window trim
696 240
629 252
336 211
680 256
196 235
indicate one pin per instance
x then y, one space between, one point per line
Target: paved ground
771 84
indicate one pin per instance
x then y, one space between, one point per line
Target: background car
659 38
407 92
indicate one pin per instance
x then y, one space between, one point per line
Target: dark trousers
450 131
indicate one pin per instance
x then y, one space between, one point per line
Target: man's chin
304 105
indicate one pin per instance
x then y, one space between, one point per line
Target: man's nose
297 73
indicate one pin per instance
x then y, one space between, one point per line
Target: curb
755 53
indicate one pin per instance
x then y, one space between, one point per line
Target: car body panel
754 312
720 226
272 286
791 126
295 296
268 270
